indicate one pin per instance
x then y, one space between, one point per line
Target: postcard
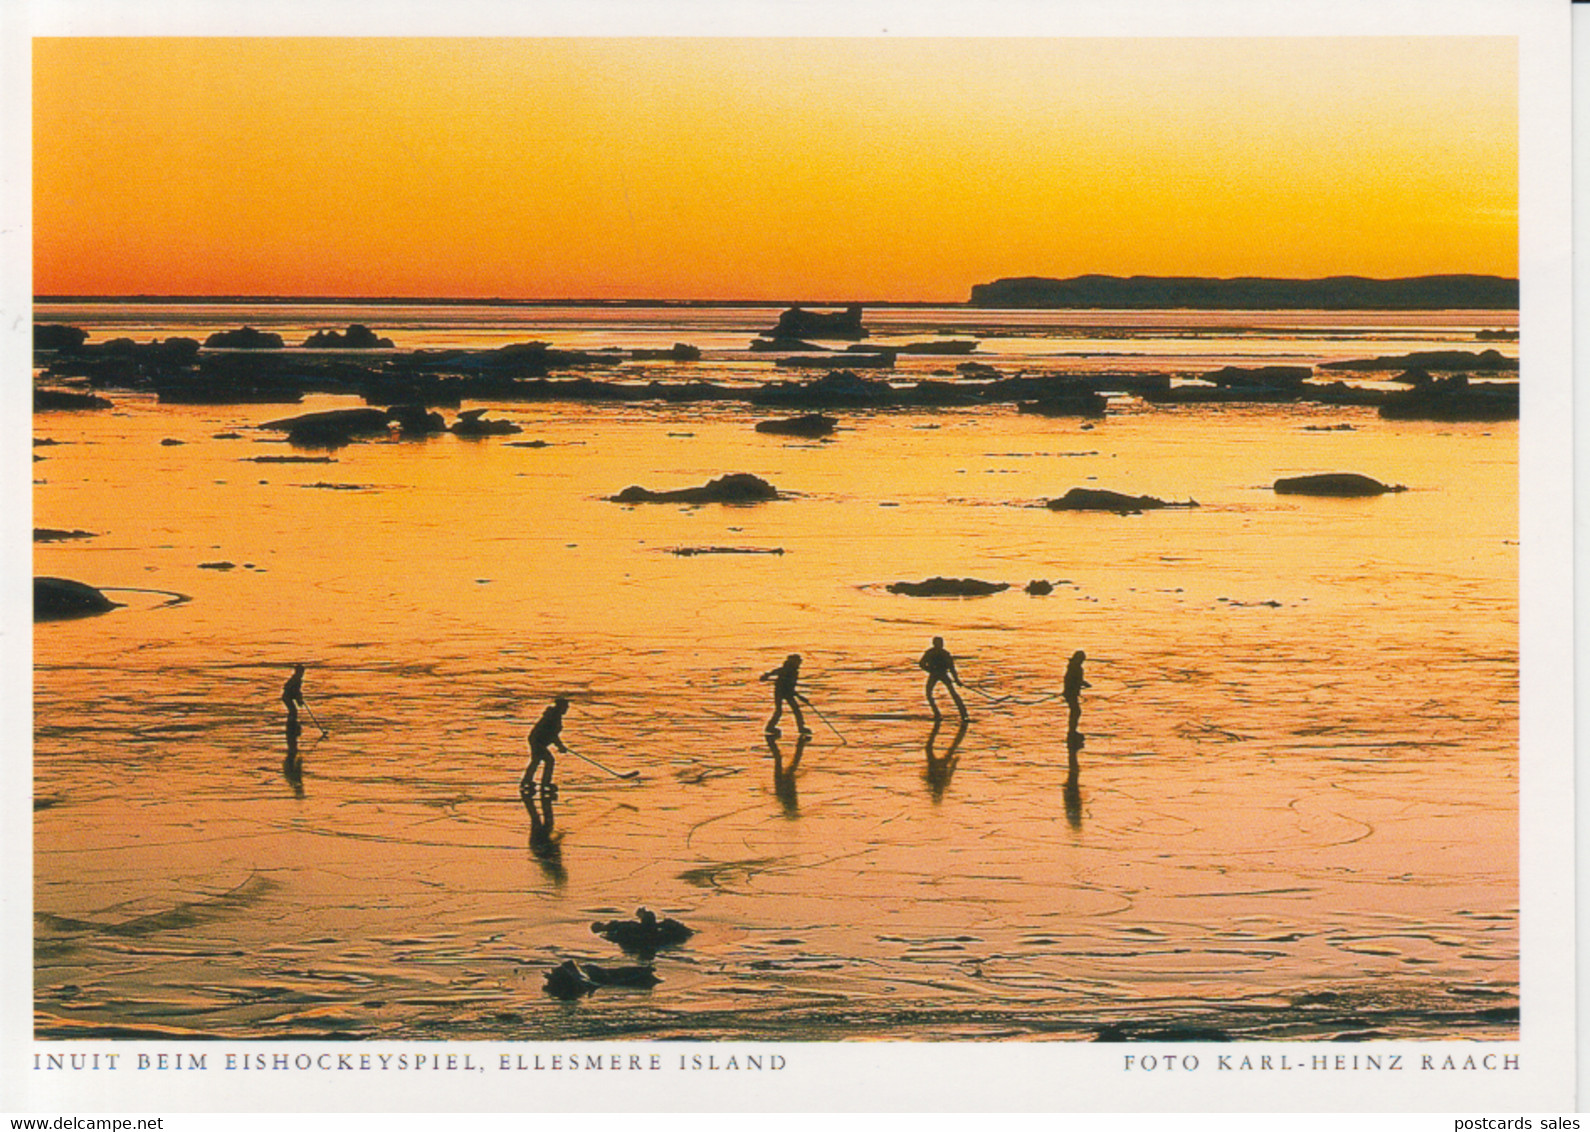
838 558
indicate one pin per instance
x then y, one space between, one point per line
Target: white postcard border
1022 1076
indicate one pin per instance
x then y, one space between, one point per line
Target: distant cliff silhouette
1340 292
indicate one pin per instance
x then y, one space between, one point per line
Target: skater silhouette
940 667
784 776
293 698
545 846
546 734
1073 690
784 678
940 770
293 690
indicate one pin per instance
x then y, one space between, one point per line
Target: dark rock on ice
679 352
470 423
737 487
173 352
1095 499
798 323
567 981
1454 399
1203 393
239 379
1272 377
1485 360
55 599
50 534
534 358
1050 387
358 337
429 390
858 359
1316 998
332 428
1073 402
244 338
643 977
64 339
947 587
1340 484
928 392
809 424
415 420
52 399
839 387
644 933
1038 587
1341 393
786 346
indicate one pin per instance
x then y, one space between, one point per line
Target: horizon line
502 300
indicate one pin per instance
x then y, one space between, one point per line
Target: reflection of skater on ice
545 846
784 774
941 768
1074 742
293 772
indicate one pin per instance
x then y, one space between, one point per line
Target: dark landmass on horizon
1083 292
1338 292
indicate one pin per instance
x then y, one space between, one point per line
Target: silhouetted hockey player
546 734
940 667
784 678
293 698
1073 690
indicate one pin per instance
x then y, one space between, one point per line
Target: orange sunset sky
872 169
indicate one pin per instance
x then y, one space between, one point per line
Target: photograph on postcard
776 540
